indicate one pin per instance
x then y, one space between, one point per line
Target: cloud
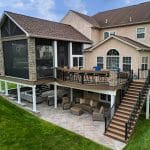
44 9
133 1
77 5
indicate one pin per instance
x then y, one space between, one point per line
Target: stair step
122 128
118 123
130 98
120 119
127 112
116 131
132 95
135 87
133 92
127 105
128 101
117 137
137 83
122 115
125 108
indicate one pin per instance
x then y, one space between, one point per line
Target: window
100 62
44 58
76 49
126 63
78 61
10 29
112 59
108 34
144 63
104 97
140 33
16 58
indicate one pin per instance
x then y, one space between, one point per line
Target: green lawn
141 137
10 86
20 130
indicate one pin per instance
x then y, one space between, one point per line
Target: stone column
32 59
1 60
113 78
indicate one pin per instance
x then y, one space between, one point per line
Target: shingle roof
133 42
89 19
36 27
124 16
137 45
134 14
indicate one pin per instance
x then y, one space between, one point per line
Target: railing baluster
126 131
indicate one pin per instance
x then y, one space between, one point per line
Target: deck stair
129 106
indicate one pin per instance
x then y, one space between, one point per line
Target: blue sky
56 9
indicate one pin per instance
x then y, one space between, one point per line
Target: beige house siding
123 49
95 35
129 31
78 23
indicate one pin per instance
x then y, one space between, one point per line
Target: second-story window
108 34
140 33
100 62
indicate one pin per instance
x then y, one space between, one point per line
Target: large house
102 59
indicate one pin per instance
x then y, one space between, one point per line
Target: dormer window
140 33
108 34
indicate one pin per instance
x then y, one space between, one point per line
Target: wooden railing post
138 73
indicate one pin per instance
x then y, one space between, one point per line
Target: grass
20 130
10 86
141 137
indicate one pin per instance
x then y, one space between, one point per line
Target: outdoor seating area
92 76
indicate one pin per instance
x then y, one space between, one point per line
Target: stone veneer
1 60
32 59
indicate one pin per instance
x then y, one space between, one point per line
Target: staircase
123 122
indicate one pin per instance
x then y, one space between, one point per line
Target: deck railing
91 77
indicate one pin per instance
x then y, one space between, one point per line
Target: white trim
55 95
78 56
34 98
6 88
27 34
55 58
18 94
108 33
144 32
70 55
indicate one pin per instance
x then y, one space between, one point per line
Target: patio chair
98 115
66 104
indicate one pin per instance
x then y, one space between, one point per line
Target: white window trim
144 32
108 32
103 61
123 63
145 63
74 56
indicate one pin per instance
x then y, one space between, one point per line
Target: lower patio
83 124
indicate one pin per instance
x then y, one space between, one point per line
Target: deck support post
6 88
34 98
55 59
70 55
55 95
71 94
112 105
148 106
18 94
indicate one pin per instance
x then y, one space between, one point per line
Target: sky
55 10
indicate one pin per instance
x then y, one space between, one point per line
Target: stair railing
137 106
125 87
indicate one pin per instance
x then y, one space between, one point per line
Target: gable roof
134 14
89 19
130 15
35 27
125 40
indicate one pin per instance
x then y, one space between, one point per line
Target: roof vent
130 19
106 20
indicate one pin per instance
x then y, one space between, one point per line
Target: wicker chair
98 115
66 104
